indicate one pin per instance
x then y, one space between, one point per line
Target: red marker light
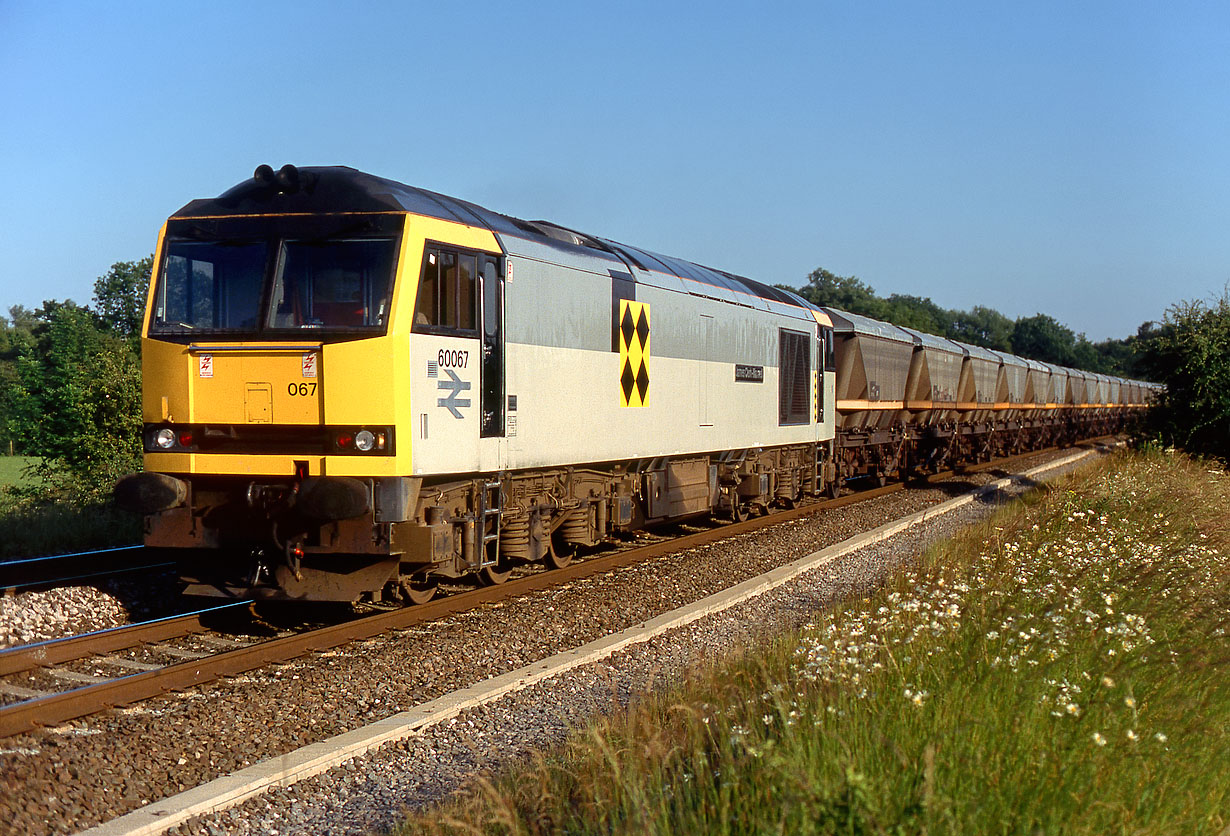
345 440
185 438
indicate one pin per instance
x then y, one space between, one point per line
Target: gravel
370 793
29 617
64 779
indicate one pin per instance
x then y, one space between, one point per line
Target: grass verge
1060 669
14 470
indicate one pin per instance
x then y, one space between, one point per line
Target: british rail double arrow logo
455 387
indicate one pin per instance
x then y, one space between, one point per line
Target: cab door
447 362
491 291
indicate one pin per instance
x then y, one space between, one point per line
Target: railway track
206 656
74 568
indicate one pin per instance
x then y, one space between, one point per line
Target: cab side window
446 301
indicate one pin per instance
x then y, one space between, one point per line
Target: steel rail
89 553
55 569
28 657
58 708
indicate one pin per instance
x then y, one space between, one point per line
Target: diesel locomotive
354 388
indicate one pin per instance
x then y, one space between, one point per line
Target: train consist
354 388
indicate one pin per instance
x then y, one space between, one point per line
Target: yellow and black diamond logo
633 353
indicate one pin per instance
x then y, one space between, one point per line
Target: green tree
1117 357
20 375
1190 354
846 293
919 313
70 383
119 297
982 326
11 345
78 402
1086 356
1041 337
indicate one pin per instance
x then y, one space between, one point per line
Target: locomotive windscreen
210 286
264 276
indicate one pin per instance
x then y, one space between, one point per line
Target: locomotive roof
325 189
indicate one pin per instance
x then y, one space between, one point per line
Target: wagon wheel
831 489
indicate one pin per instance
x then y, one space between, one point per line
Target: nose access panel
259 403
256 384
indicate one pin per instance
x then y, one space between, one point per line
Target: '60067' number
300 389
452 359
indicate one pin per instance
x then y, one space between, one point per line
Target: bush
1190 354
70 387
83 404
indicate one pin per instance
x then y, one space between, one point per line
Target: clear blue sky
1068 158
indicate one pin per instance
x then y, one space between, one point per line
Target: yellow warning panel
633 353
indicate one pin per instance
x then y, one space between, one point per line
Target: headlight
374 441
165 438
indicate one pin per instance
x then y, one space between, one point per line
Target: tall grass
39 518
1060 669
36 529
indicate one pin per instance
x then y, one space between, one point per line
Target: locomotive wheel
418 591
737 512
557 557
832 489
494 575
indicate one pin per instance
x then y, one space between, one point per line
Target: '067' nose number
300 389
